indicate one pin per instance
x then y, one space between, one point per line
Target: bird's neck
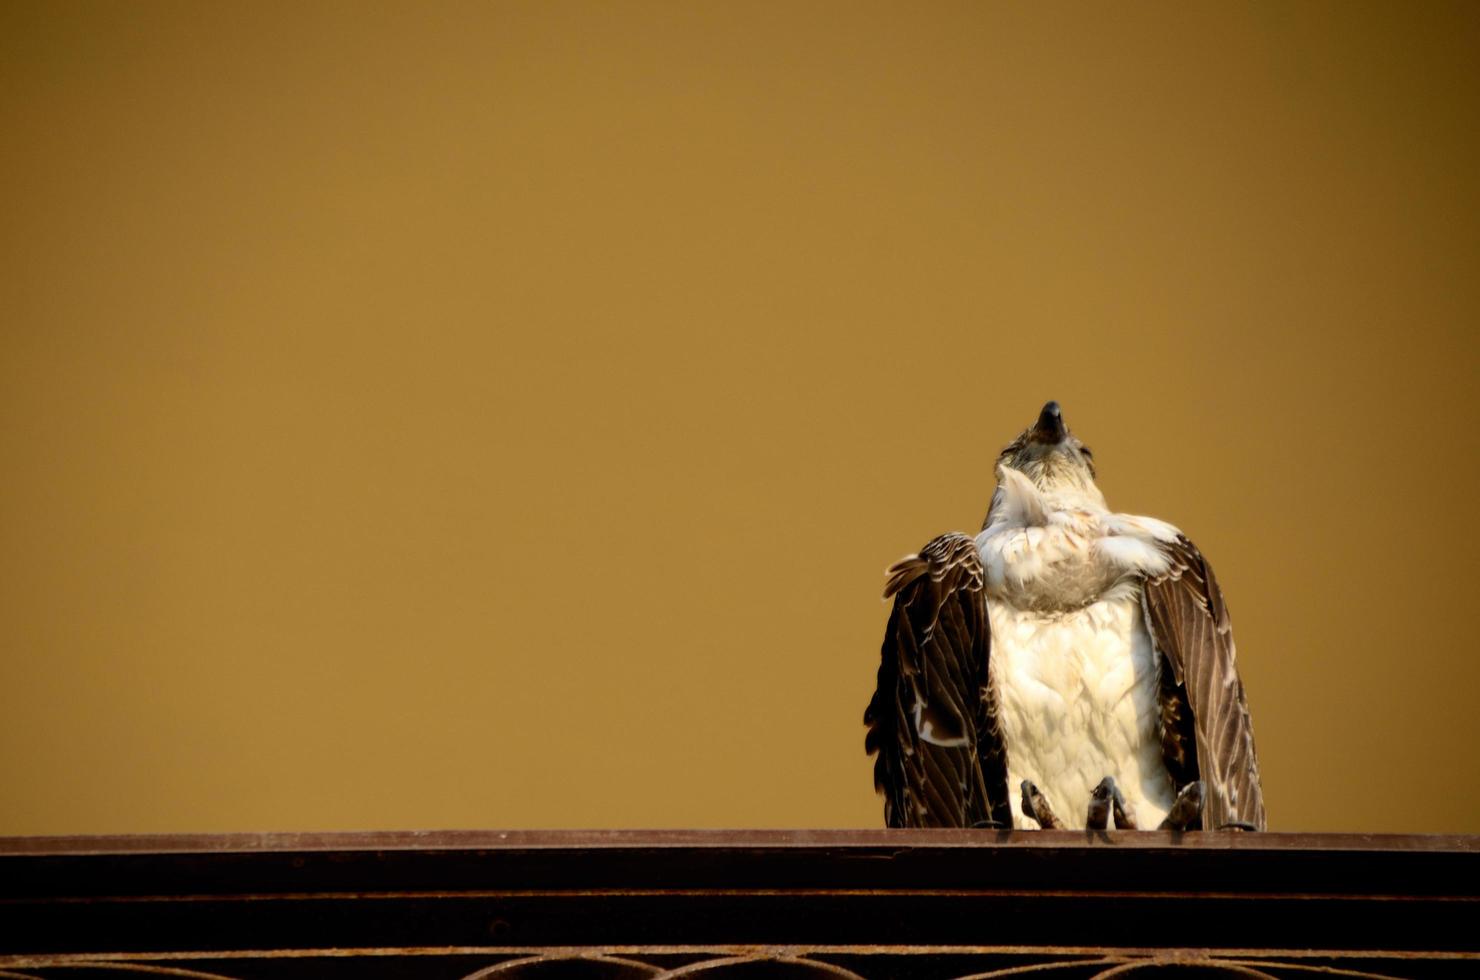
1060 549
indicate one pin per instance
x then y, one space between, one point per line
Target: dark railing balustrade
614 905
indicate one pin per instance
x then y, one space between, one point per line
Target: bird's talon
1186 812
1101 802
1035 806
1123 819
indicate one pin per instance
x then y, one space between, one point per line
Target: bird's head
1054 460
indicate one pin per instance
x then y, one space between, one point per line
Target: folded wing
1206 730
933 719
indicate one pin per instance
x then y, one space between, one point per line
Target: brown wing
1206 731
932 720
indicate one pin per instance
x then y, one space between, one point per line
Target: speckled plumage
1064 644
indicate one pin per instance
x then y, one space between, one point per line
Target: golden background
501 415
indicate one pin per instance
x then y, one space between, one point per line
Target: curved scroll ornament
767 966
1156 968
568 968
1173 970
763 968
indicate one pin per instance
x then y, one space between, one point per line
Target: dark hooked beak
1050 427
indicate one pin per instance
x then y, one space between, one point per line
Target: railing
883 905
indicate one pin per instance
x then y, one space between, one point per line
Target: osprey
1082 656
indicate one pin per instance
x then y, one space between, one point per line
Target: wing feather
1206 729
932 719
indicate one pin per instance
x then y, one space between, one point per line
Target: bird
1067 667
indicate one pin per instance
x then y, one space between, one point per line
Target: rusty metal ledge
928 904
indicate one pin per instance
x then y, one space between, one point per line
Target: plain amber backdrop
501 415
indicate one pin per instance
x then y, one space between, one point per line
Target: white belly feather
1077 693
1075 673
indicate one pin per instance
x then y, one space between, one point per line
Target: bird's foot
1186 812
1101 802
1035 805
1107 800
1123 818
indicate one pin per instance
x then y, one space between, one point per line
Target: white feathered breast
1072 662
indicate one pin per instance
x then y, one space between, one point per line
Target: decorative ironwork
780 964
790 905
